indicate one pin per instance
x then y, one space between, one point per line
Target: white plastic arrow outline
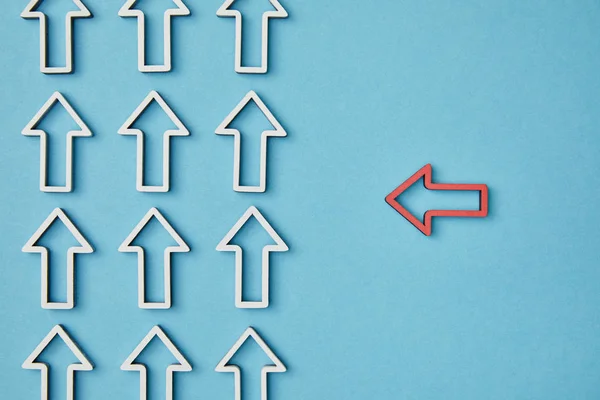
223 130
277 366
279 246
126 247
279 12
126 11
28 13
84 247
85 364
30 130
126 129
128 364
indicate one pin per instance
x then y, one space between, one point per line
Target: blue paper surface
363 306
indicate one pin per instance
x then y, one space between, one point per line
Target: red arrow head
392 199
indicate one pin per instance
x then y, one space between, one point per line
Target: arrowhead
84 363
226 10
127 129
224 365
252 212
224 129
30 128
128 11
424 225
127 247
84 246
29 12
130 365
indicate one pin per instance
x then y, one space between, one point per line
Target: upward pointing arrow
30 130
277 131
127 247
130 365
226 245
83 365
226 11
127 129
84 247
128 11
82 12
276 367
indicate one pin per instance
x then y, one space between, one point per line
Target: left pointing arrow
81 12
128 247
31 130
84 247
127 129
128 11
130 365
83 365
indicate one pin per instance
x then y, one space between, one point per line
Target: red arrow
425 225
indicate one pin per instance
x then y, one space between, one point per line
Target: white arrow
83 365
224 129
127 247
30 130
225 245
127 129
130 365
127 11
279 12
30 12
224 366
84 247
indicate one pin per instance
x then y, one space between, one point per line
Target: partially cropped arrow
227 245
225 366
128 247
83 365
32 247
130 365
227 10
424 225
127 129
128 11
31 130
224 129
81 12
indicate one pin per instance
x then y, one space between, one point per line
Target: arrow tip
126 246
30 10
126 128
226 11
224 366
252 212
223 128
84 363
30 128
84 245
130 365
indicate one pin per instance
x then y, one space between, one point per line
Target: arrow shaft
239 281
143 165
45 282
241 33
237 166
242 386
483 199
46 39
144 33
143 282
45 164
46 388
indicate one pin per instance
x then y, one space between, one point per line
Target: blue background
363 305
